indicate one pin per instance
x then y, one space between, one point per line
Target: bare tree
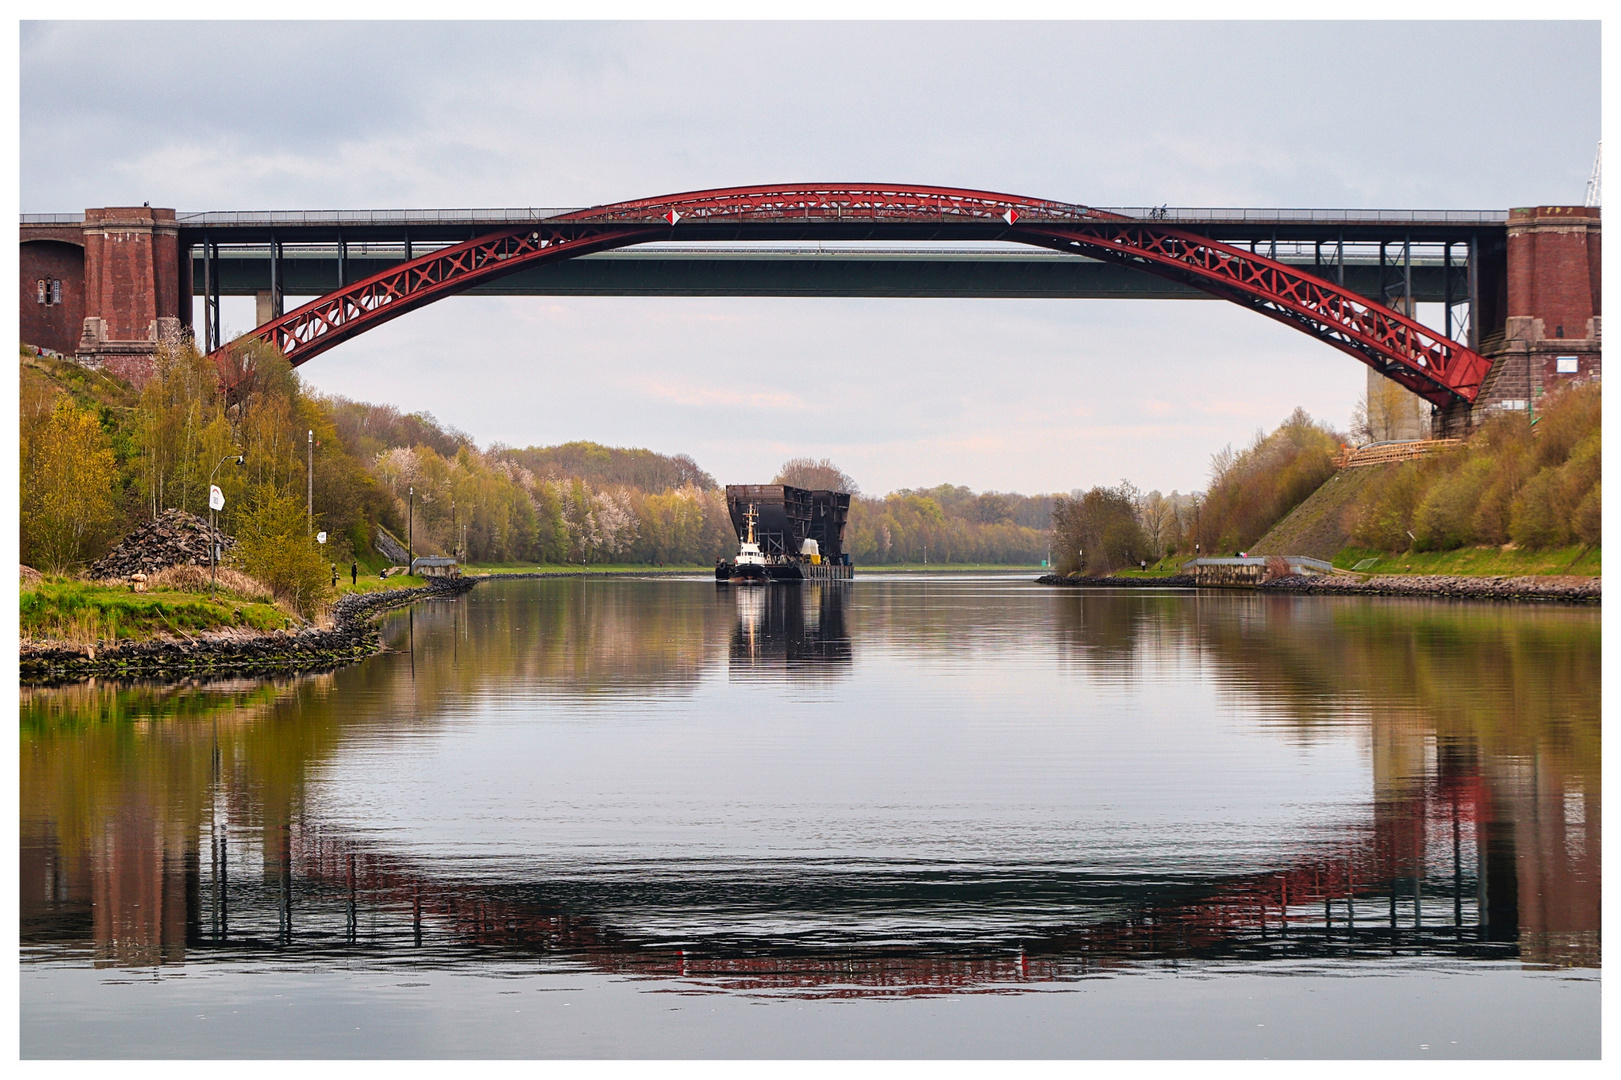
820 475
1386 411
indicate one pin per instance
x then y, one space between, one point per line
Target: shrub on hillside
1445 518
1251 491
1386 520
1537 487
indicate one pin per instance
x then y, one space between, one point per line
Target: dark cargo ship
786 534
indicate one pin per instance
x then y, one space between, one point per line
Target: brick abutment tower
1552 329
135 298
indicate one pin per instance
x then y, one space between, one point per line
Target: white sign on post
216 497
320 538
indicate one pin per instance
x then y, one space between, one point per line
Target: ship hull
750 573
742 573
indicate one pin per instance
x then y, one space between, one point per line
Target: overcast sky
1009 394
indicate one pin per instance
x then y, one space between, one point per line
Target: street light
213 537
410 528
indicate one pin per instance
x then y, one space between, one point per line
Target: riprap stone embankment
352 637
1588 590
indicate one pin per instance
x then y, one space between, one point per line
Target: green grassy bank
67 609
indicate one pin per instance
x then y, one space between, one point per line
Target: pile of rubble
176 538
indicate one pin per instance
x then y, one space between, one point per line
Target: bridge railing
499 215
463 216
1249 214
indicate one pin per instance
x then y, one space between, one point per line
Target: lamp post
309 477
213 537
410 528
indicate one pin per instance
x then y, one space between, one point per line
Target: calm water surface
937 817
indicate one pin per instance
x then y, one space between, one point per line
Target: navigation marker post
216 501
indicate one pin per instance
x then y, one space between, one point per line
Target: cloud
744 398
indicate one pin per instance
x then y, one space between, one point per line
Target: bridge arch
1424 361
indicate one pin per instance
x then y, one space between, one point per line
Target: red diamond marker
1011 216
672 217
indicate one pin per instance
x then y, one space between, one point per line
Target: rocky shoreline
1586 590
352 637
1582 590
1175 581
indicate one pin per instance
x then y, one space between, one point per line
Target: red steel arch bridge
1351 279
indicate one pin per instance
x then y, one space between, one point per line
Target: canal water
928 817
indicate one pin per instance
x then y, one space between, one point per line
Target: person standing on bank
354 573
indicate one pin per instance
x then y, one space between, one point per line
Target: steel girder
1397 346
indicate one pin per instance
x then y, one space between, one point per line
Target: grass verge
377 584
1477 562
576 568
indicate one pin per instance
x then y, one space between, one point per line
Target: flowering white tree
577 505
615 522
397 468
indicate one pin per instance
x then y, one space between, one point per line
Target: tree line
99 457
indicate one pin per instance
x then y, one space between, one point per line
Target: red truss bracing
310 330
1425 362
1430 365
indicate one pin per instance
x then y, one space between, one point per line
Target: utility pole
309 471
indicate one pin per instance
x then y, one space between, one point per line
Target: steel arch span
1427 363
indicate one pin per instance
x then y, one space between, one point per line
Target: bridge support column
132 288
1394 412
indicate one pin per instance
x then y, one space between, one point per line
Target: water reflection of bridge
1481 836
1435 872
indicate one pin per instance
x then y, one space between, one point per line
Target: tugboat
749 569
786 534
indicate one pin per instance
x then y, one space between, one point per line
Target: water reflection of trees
580 637
1482 722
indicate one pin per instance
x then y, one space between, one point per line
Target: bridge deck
1011 271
